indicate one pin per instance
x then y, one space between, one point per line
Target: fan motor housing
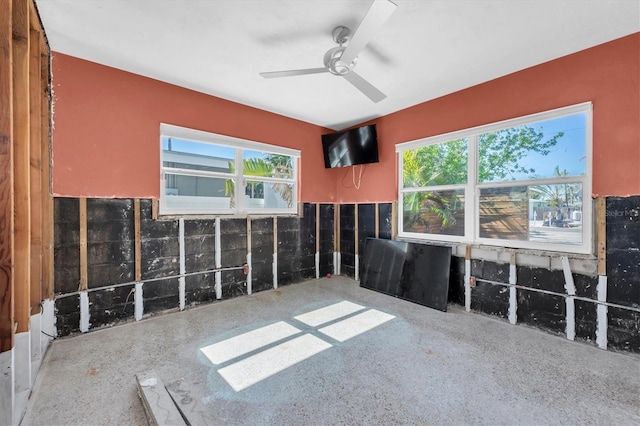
334 63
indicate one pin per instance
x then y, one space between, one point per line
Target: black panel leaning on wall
366 227
623 272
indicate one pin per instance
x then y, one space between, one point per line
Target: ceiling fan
342 59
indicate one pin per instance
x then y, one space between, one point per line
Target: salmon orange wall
106 125
607 75
107 129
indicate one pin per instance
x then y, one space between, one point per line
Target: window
523 183
204 173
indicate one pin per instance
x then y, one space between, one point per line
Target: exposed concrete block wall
171 248
367 227
546 309
300 248
623 271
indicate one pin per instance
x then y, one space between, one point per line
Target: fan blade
365 87
377 15
291 73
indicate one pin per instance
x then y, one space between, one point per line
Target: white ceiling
427 49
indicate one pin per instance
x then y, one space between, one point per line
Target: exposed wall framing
26 205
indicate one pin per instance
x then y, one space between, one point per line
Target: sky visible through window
569 153
206 149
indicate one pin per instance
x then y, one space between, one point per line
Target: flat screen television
350 147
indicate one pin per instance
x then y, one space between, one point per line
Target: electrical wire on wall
353 176
355 185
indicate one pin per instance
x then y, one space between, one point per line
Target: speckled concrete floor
422 367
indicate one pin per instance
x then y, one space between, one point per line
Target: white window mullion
240 183
400 192
197 173
471 217
295 163
503 235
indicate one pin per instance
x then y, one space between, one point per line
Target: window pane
196 192
539 150
503 213
269 195
438 164
541 213
556 213
434 212
265 164
191 155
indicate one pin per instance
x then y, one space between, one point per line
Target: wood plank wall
26 204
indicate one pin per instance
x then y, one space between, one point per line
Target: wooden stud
467 253
6 180
34 22
601 234
154 209
45 160
137 240
377 220
83 244
21 167
35 170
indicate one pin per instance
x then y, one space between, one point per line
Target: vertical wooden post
21 183
45 160
6 180
83 244
35 177
155 208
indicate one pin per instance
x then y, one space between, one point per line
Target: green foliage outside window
500 155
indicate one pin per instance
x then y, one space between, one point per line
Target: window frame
472 188
240 179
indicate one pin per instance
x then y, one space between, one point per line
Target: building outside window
205 173
523 183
